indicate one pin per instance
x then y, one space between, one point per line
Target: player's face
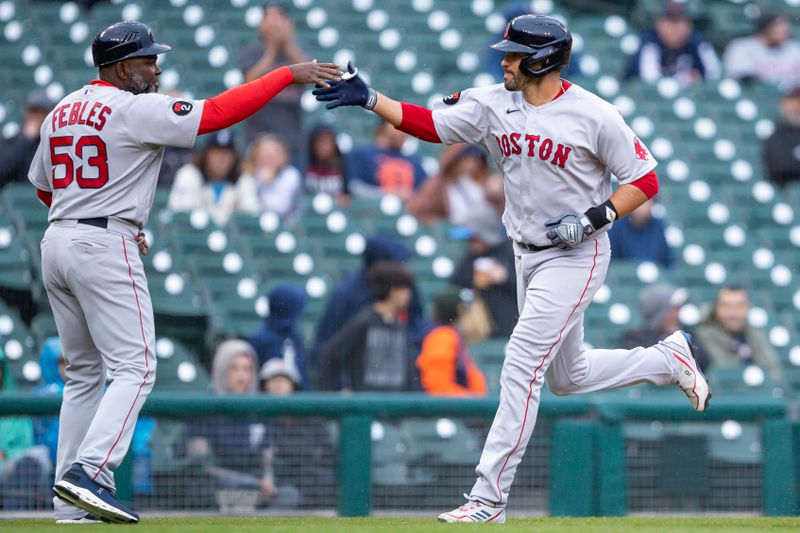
513 78
143 74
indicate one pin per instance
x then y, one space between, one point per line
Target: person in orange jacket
445 366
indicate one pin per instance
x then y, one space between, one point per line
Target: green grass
378 525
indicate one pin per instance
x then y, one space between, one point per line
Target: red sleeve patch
641 151
452 99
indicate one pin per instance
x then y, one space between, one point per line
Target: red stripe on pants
146 362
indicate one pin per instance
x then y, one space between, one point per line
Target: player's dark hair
201 161
384 276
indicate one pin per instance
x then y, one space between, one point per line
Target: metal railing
585 444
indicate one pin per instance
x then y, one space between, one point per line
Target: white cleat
690 379
475 511
87 519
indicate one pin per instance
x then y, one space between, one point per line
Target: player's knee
560 385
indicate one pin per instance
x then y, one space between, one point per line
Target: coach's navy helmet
123 40
545 39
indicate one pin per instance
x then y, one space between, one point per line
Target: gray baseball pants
96 285
554 289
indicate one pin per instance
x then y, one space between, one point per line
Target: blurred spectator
237 453
25 470
283 115
462 185
488 269
279 377
17 152
355 293
304 454
212 183
53 365
325 170
672 48
372 351
640 237
493 57
771 55
277 337
381 168
781 152
660 306
445 366
729 340
174 159
278 183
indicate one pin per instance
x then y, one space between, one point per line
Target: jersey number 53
82 148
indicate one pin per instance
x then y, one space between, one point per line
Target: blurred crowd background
327 251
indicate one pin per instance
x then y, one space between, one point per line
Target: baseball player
554 142
96 169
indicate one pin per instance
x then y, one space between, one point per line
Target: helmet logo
181 107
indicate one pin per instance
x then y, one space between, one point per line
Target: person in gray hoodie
237 453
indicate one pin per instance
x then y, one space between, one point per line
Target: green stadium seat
178 369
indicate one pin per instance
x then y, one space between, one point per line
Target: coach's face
140 74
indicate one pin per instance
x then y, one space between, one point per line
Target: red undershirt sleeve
418 121
241 102
648 184
46 197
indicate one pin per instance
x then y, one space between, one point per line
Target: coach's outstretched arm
352 90
241 102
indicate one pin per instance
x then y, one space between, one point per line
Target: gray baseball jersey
553 157
100 154
555 160
101 150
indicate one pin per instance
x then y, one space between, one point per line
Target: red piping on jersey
146 363
102 83
648 184
564 86
46 197
243 101
418 121
536 371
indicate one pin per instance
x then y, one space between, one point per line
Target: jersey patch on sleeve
181 107
641 151
452 99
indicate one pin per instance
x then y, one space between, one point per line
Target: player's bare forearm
390 110
627 198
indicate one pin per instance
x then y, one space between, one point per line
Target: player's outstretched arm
241 102
352 90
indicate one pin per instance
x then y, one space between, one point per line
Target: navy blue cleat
78 489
